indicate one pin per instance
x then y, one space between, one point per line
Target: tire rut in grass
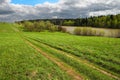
86 63
62 65
83 61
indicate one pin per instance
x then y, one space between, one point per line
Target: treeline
110 21
39 26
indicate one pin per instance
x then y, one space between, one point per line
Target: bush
117 33
88 32
114 33
83 31
64 30
78 31
53 28
59 28
28 26
39 26
48 25
93 32
101 33
68 23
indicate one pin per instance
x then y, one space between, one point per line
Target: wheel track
62 65
82 61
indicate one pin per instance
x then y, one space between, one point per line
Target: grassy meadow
102 52
93 58
19 61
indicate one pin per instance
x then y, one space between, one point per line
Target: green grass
19 61
103 52
84 70
4 27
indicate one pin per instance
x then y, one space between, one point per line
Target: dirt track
61 64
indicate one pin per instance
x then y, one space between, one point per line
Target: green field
93 58
19 61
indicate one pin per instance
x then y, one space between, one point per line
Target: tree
68 23
28 26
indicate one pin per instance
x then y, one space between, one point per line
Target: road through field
80 60
61 64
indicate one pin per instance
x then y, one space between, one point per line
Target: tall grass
87 31
85 70
103 52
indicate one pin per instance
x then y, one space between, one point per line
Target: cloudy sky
16 10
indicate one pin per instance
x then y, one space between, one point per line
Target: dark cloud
62 9
5 12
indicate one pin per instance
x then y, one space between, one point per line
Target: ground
56 56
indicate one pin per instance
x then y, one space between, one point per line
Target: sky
32 2
17 10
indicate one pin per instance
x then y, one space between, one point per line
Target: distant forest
109 21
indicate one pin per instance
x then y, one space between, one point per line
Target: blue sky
32 2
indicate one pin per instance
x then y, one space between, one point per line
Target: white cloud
5 1
61 9
106 12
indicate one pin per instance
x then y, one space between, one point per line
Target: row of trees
110 21
39 26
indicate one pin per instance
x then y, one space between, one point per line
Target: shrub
39 26
93 32
28 26
59 28
68 23
117 33
114 33
64 30
48 25
77 31
88 32
83 31
101 33
53 28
